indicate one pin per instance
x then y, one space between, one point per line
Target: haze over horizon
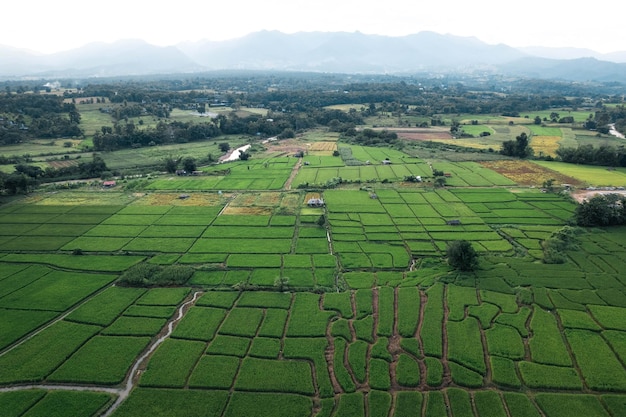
55 26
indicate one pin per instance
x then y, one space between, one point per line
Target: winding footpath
132 377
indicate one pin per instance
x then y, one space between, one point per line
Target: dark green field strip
56 229
240 260
265 347
103 209
241 220
465 377
97 244
221 299
278 376
503 372
202 219
79 219
146 402
135 326
265 299
600 368
102 360
408 301
517 320
171 363
229 345
56 291
505 341
70 403
299 261
140 209
200 323
105 307
160 231
140 219
408 403
339 302
465 344
22 276
574 319
109 230
379 376
489 404
207 278
14 404
460 402
16 229
342 374
37 357
458 299
242 321
609 317
163 296
273 323
311 349
99 263
485 313
163 312
232 245
28 218
15 324
264 277
546 344
432 323
201 258
214 372
246 232
35 243
161 244
268 405
564 405
539 376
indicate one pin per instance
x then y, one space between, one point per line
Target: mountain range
332 52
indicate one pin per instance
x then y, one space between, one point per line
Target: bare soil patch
582 195
527 173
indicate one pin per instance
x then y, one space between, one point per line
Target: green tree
461 255
224 146
440 182
601 210
189 164
171 164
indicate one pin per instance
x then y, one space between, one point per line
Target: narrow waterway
234 155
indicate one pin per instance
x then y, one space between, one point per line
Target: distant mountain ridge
340 52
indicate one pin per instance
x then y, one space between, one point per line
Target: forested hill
330 52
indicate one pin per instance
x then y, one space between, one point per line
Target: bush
462 256
149 275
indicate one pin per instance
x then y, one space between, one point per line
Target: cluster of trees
25 177
127 134
589 155
520 147
370 137
602 210
150 275
26 116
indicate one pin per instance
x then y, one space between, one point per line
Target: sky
48 26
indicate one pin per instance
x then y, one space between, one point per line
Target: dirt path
447 376
293 174
132 378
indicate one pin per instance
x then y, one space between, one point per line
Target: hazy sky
56 25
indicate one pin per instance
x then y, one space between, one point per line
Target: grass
102 360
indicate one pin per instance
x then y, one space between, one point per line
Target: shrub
147 275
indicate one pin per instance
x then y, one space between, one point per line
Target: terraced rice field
292 310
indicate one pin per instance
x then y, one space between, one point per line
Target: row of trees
602 155
25 177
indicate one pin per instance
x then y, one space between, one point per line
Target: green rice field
348 309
